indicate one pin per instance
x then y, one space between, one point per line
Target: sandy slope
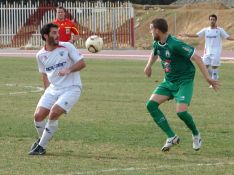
188 19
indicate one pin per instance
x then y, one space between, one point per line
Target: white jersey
213 39
51 62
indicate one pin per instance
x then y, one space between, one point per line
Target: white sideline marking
147 168
145 56
35 89
93 55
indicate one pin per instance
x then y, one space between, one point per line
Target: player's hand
182 34
64 72
148 71
214 83
71 41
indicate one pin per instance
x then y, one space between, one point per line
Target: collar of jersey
165 41
213 28
65 20
59 46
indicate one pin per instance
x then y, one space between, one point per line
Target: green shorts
182 92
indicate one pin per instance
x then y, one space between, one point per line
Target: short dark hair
161 24
214 16
46 29
61 7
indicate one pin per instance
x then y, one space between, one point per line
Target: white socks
50 129
40 126
215 74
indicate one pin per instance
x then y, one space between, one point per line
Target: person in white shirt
213 45
60 64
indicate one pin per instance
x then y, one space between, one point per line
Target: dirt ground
186 19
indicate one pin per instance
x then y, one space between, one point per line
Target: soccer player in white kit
60 64
213 45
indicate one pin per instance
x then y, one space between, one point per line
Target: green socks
188 120
159 118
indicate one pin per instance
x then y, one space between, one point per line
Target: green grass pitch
109 130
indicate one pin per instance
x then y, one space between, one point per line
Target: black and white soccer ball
94 44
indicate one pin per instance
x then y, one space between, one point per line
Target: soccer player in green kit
176 59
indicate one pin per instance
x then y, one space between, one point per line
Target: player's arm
230 38
77 57
74 68
41 68
151 61
226 36
188 35
75 31
74 38
197 59
201 33
45 80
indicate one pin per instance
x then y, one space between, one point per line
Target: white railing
20 23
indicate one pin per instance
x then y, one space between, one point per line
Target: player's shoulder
56 21
69 21
154 43
40 52
205 29
65 44
172 40
220 28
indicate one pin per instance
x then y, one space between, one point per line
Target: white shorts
211 59
65 98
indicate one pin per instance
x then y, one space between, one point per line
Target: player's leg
182 112
42 111
39 123
207 62
39 119
44 105
215 63
159 96
50 128
215 72
183 98
209 70
51 125
63 105
158 117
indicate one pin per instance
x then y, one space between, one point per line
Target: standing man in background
213 45
66 26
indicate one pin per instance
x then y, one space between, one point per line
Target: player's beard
156 38
52 41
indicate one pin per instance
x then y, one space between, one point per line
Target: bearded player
176 59
60 64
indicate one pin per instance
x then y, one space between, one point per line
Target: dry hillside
186 19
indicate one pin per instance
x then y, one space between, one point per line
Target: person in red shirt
66 26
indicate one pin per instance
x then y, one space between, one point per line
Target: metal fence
20 23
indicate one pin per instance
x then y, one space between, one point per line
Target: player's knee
182 115
54 115
151 105
38 116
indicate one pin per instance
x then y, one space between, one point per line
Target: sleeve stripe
193 53
75 29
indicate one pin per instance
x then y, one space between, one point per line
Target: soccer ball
94 43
